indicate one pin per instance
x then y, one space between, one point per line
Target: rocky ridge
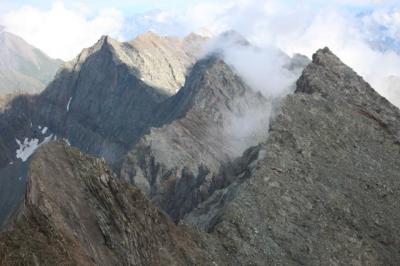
76 212
77 103
326 190
178 164
322 187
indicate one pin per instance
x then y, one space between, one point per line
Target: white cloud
62 32
369 42
265 70
366 41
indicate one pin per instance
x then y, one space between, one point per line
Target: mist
266 70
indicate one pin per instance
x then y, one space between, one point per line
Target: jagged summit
148 37
169 57
348 88
159 61
234 37
226 41
196 92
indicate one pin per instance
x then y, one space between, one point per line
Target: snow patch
44 130
67 141
46 139
29 146
69 103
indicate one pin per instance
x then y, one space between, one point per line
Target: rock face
177 164
164 61
77 213
320 184
327 188
23 68
99 104
102 102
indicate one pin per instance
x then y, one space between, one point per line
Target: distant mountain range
23 68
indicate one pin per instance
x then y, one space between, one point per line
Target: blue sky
87 20
131 7
126 6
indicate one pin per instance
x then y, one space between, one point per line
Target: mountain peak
329 76
104 39
325 57
195 36
234 37
148 35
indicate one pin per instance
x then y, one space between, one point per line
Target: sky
365 34
63 28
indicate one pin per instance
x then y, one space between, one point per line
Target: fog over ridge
266 70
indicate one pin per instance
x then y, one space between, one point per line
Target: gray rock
76 212
321 188
102 101
178 164
327 191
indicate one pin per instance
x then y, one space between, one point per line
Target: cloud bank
364 34
61 32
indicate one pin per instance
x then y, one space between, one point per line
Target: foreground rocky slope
76 212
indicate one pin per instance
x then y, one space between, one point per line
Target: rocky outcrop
178 164
164 61
76 212
326 190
